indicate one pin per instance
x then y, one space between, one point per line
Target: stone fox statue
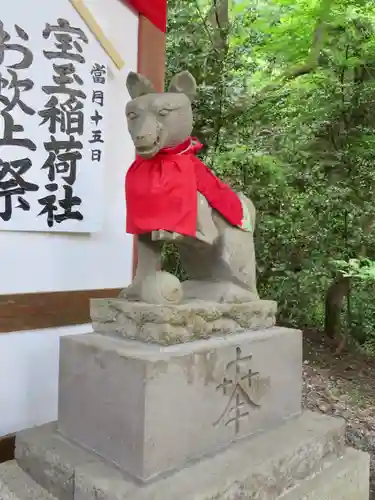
172 196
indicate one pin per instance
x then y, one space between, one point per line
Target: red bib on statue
161 193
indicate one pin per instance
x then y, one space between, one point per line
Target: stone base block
344 479
304 458
164 324
51 460
150 409
15 484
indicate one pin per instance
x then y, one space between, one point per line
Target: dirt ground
342 385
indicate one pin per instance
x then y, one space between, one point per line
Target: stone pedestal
149 409
176 324
214 416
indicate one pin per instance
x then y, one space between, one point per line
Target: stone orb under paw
161 288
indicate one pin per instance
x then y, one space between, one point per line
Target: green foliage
285 110
363 269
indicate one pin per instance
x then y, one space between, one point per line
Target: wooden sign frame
96 30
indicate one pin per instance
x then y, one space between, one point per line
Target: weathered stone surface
262 468
150 409
266 465
50 459
346 479
171 324
16 485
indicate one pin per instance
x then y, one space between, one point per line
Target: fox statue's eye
164 112
131 115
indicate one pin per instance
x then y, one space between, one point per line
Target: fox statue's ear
184 83
138 85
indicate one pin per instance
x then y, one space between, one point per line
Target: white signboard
52 123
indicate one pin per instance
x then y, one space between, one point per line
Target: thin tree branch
219 15
306 68
205 25
312 62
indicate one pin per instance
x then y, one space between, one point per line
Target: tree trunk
334 302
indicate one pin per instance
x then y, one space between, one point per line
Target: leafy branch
312 63
363 269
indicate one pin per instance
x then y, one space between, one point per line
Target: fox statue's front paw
161 288
157 288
